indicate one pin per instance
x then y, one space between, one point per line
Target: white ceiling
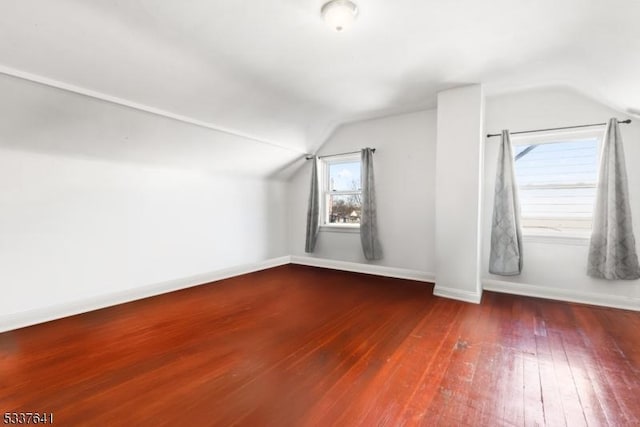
272 69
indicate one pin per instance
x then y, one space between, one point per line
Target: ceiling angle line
11 72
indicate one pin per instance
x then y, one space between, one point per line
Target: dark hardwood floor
304 346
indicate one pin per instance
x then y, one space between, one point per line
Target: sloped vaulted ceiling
273 71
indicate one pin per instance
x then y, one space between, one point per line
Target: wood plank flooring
301 346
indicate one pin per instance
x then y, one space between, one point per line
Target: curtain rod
373 150
491 135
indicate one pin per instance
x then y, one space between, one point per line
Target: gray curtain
506 234
369 224
612 250
313 210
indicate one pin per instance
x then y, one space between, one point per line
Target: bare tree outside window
344 192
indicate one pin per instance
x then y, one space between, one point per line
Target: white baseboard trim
458 294
377 270
614 301
32 317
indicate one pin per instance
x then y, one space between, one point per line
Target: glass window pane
554 202
558 162
345 209
344 176
557 184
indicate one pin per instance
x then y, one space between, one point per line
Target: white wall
43 119
551 268
404 165
96 199
458 193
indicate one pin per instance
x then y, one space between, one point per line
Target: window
557 177
341 191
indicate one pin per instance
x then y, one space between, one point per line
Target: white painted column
458 193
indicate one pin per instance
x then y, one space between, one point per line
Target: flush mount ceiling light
339 14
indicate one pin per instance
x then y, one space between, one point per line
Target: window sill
340 228
575 240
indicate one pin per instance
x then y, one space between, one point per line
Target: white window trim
347 228
325 225
555 237
557 136
559 239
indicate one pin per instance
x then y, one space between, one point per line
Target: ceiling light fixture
339 14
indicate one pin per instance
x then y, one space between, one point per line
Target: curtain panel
369 223
612 248
313 209
506 233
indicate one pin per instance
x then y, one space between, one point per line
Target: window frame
326 193
560 236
